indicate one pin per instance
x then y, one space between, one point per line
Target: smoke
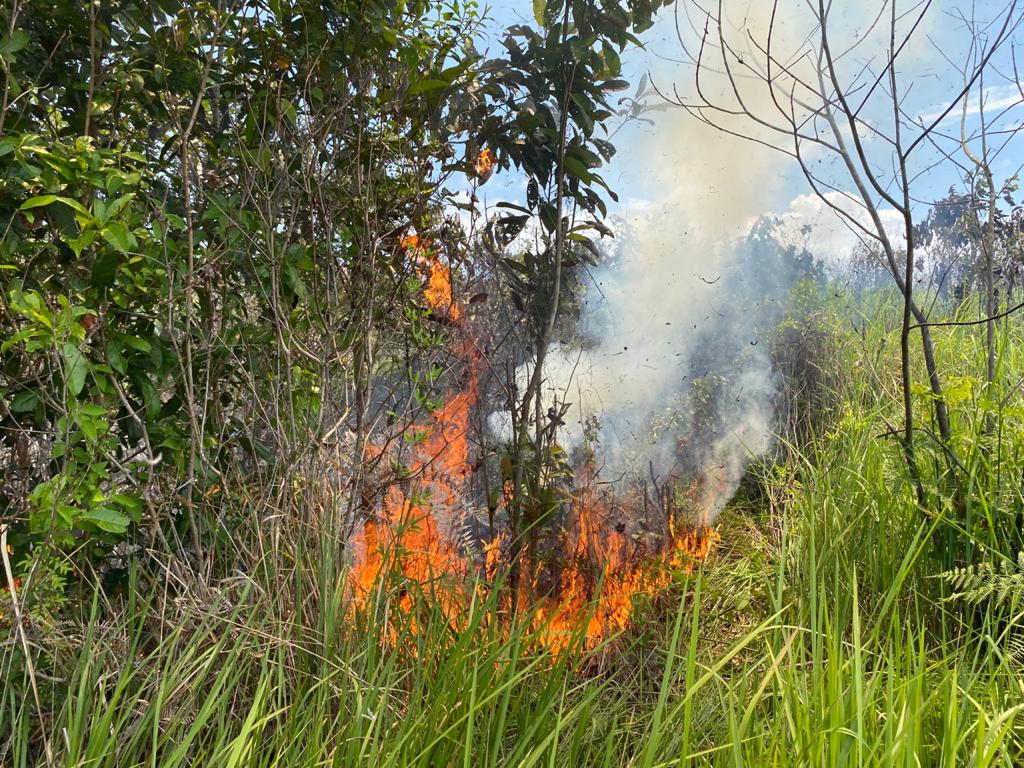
672 372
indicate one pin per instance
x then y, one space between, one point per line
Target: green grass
817 635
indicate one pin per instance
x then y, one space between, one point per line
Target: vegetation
232 275
816 635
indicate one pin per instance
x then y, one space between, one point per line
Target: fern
983 581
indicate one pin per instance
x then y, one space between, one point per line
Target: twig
982 321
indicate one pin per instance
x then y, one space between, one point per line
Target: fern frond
983 581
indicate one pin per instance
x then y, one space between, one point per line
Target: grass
817 635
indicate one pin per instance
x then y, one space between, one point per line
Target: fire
438 292
608 572
408 537
604 571
484 164
438 277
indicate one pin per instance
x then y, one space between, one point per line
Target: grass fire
414 540
591 383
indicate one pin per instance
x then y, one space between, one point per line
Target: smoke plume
671 373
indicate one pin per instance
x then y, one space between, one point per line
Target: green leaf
116 233
538 12
108 520
426 85
41 200
548 216
77 368
38 202
20 336
13 43
294 281
83 241
138 344
64 220
68 513
113 183
577 169
115 356
90 428
104 270
130 503
115 207
615 85
23 402
611 60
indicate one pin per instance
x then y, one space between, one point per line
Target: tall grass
817 635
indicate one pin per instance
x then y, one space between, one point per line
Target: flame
484 164
608 572
437 291
412 544
407 539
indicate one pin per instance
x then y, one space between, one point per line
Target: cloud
996 99
808 222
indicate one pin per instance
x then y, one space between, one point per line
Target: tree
817 99
546 107
210 304
202 275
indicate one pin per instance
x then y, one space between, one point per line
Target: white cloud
808 222
996 99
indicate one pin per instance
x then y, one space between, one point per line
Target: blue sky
687 191
649 157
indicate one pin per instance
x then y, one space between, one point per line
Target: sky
729 182
677 304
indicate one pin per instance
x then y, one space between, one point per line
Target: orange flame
484 164
605 570
437 291
408 537
608 572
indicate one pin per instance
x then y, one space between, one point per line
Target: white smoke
656 320
655 324
672 374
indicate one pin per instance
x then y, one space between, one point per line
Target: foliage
205 207
813 637
201 204
547 115
984 581
210 310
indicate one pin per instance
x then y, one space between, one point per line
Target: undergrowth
819 633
